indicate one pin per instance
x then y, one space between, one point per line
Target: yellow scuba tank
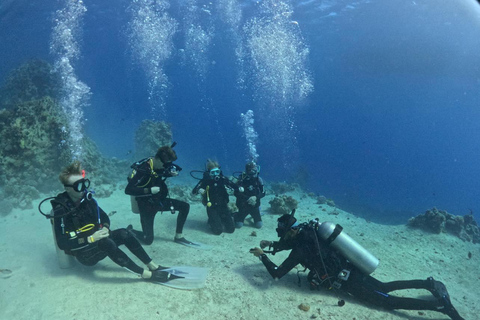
362 259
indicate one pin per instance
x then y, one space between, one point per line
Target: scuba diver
82 229
336 261
248 193
213 188
146 185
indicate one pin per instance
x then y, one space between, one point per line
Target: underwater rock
321 200
324 200
438 221
282 204
150 136
304 307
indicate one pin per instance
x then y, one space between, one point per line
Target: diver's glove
257 252
252 200
201 191
155 190
265 243
98 235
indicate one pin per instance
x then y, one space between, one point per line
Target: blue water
390 129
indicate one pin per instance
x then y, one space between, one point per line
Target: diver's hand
265 243
99 235
257 252
155 190
241 189
252 200
201 191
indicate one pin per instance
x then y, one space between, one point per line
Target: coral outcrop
282 204
33 146
150 136
31 81
438 221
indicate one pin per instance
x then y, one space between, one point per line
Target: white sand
238 285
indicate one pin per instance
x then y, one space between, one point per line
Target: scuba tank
134 204
333 234
65 261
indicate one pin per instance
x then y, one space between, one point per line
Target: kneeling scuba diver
338 262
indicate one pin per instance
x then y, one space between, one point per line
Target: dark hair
166 154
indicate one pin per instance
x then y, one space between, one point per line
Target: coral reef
31 81
150 136
31 154
324 200
33 149
438 221
282 204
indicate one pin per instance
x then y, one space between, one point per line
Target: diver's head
213 169
285 224
165 155
73 179
252 169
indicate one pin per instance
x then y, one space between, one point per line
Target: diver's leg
227 220
375 292
257 218
437 288
122 236
109 246
214 220
240 215
147 220
183 210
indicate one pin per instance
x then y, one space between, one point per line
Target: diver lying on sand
336 261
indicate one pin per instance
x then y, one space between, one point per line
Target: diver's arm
200 185
230 184
261 188
104 218
279 271
67 240
136 187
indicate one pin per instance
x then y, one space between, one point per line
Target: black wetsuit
219 217
142 179
305 251
89 216
252 186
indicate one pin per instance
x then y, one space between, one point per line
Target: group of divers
334 260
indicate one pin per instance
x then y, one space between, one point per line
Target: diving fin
191 244
186 278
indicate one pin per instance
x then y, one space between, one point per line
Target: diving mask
215 172
79 185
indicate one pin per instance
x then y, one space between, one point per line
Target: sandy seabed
238 286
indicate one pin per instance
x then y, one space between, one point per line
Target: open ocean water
374 104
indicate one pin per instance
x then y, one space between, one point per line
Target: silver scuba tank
134 204
65 261
362 259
